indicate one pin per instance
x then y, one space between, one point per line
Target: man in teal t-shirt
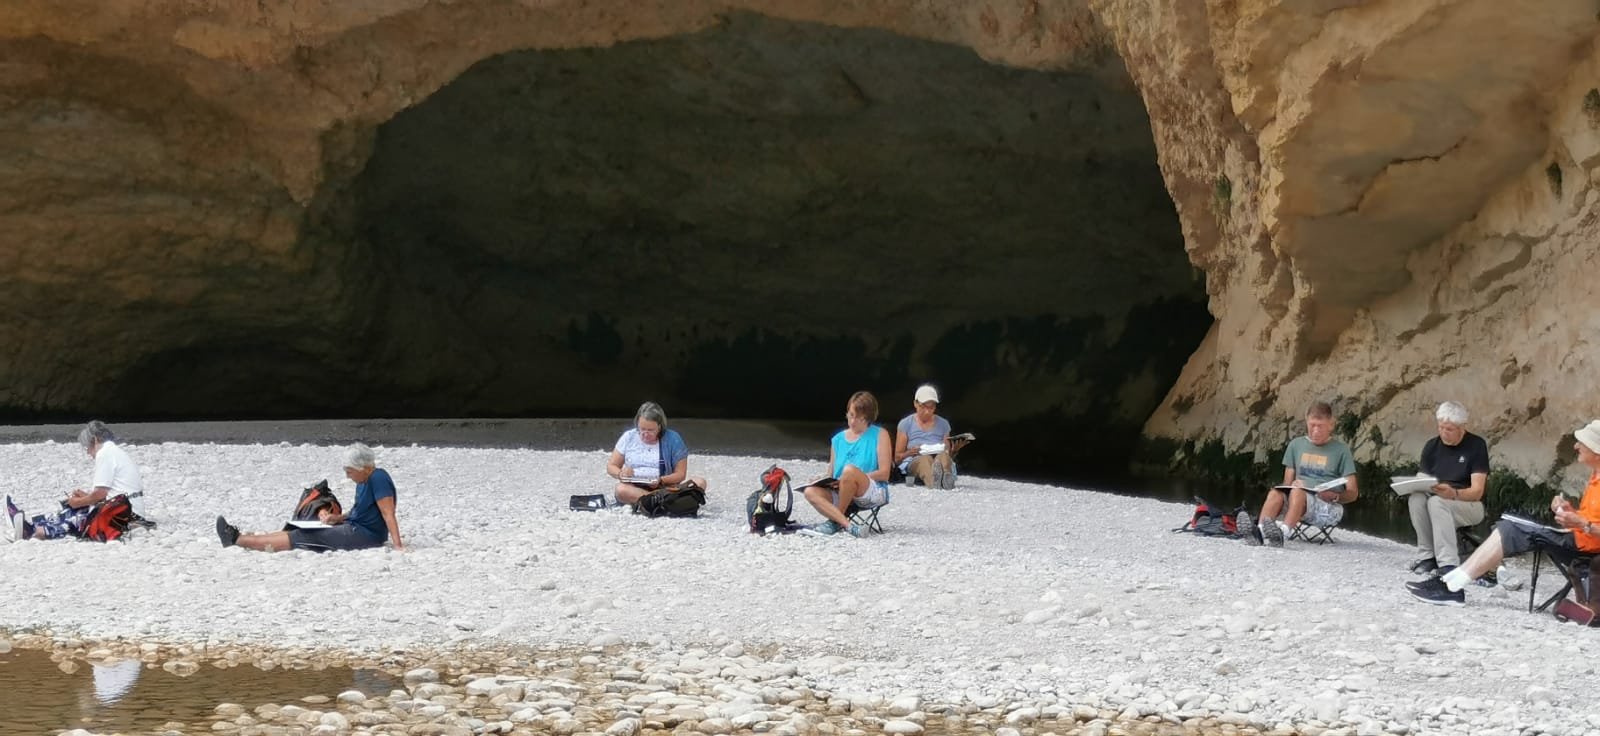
1317 459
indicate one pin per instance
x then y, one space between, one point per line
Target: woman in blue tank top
859 459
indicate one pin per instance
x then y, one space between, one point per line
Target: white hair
95 431
359 457
1452 412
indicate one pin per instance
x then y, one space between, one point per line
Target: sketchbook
1318 488
308 525
1405 485
1526 522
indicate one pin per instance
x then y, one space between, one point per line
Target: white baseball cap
926 393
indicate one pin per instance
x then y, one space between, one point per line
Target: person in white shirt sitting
114 473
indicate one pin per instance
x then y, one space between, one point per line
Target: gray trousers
1435 519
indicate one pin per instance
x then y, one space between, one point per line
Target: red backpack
1212 521
110 520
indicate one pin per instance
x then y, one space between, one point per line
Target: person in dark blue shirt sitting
370 523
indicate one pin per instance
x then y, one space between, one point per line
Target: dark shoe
1247 527
16 523
1433 590
228 533
1271 532
1440 572
1424 566
1489 580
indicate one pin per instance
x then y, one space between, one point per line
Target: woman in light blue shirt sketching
649 456
859 459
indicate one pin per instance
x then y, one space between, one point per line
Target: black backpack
768 508
313 500
681 501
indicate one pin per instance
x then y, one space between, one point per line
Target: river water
131 696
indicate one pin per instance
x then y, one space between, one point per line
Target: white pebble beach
994 592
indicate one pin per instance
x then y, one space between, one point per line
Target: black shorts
1516 539
337 537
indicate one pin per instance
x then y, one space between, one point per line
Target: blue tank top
863 453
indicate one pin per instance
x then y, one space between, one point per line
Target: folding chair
1313 533
1574 569
867 517
1318 531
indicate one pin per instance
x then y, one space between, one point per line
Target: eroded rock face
1390 201
1401 223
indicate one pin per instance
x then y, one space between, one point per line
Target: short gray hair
359 457
95 431
652 411
1452 412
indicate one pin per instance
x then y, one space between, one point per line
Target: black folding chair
1312 533
867 517
1574 569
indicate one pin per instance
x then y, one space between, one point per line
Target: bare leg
1487 557
269 542
1297 509
1272 506
629 493
852 485
700 482
921 468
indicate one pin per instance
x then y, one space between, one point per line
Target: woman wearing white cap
924 428
1510 538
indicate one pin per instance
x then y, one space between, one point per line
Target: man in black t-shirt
1460 460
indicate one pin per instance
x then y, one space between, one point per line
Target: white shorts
877 495
1322 513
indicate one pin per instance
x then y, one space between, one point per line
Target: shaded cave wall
757 220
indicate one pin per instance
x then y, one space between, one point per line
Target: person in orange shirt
1510 539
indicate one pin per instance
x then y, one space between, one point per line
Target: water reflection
112 680
128 695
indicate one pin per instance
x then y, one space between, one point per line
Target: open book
307 525
643 477
1318 488
1524 521
1405 485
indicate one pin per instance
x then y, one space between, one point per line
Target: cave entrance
758 219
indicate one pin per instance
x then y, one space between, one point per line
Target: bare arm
881 475
386 507
678 473
901 451
78 499
615 468
1350 492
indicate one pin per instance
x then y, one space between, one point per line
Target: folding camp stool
1313 533
1573 566
1309 531
867 517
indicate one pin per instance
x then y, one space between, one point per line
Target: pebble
902 726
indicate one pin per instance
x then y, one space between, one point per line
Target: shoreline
712 436
509 691
993 593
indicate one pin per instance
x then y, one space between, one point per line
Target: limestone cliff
1390 203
